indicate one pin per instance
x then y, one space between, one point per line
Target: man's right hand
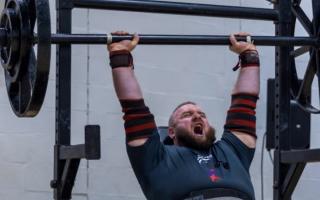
237 46
128 45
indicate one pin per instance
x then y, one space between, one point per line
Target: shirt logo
213 176
204 159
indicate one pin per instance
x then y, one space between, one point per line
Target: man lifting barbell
195 164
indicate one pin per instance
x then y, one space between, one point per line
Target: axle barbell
166 39
27 73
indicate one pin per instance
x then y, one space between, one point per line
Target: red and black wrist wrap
241 116
248 58
139 122
121 58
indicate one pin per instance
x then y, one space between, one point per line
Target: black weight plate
27 92
304 95
304 98
10 52
21 9
20 91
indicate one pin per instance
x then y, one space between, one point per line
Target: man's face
191 128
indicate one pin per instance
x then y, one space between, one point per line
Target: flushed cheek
185 126
186 123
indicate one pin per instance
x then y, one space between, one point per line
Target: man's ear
171 132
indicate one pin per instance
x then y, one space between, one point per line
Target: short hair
171 119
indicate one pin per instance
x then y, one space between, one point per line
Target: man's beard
188 139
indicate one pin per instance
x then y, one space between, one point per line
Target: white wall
168 75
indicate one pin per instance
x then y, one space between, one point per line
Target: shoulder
241 150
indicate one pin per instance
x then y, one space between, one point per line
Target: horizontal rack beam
300 156
180 8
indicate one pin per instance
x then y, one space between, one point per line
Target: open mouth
198 129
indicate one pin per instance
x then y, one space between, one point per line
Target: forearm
248 81
126 84
249 76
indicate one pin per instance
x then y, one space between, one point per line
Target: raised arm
249 76
241 115
139 122
121 61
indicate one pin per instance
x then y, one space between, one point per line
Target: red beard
189 139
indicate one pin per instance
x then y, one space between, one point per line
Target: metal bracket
71 156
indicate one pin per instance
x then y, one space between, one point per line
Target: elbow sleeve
241 115
138 121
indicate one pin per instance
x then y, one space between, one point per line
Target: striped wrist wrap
121 58
241 114
248 58
139 122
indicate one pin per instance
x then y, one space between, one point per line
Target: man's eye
188 114
203 115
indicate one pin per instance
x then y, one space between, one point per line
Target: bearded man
195 166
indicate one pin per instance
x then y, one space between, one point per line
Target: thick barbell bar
170 39
180 8
182 39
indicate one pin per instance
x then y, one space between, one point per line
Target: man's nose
196 116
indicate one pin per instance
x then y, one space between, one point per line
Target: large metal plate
302 92
27 87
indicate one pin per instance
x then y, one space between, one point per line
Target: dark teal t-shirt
169 172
